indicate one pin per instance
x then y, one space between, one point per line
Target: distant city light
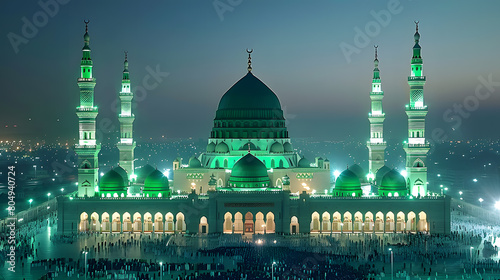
460 192
474 180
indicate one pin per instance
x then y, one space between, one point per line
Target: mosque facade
250 179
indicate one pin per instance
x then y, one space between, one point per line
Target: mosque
250 179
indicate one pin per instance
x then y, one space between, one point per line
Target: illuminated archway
116 224
158 224
259 223
379 222
137 225
127 222
315 224
84 222
249 224
169 222
358 222
105 224
228 223
325 223
337 222
180 224
95 225
400 222
238 223
368 223
347 222
148 222
203 228
270 225
389 222
422 222
294 225
411 224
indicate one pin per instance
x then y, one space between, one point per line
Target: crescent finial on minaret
126 55
376 54
86 25
249 68
416 24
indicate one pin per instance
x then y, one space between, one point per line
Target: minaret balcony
425 145
86 109
416 78
86 79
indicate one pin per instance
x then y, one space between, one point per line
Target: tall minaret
376 145
87 148
126 118
416 147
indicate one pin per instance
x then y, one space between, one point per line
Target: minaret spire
87 148
416 147
126 118
249 68
376 144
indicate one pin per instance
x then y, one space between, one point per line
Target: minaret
416 147
126 118
376 145
87 148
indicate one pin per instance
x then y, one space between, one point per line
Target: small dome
249 172
111 181
249 93
143 172
249 145
277 148
393 181
156 181
194 162
347 183
122 173
288 147
221 148
211 147
304 163
381 173
359 171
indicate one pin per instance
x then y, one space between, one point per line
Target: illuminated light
133 177
370 177
497 205
336 173
353 194
70 198
396 194
20 220
76 183
228 170
481 200
102 174
419 104
460 192
404 173
389 194
166 172
474 180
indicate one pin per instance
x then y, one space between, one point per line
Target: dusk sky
299 52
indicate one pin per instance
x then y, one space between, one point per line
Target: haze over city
311 55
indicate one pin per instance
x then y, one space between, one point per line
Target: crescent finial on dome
249 68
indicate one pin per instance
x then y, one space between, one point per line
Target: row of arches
380 223
135 223
249 225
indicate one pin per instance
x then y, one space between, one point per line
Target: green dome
249 172
221 148
277 147
347 183
156 182
288 147
143 172
194 162
359 171
249 93
393 181
381 173
304 163
211 147
112 181
122 173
